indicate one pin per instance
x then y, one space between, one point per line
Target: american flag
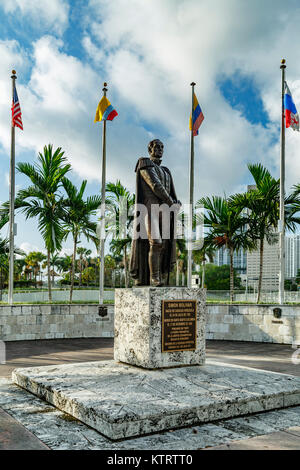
16 111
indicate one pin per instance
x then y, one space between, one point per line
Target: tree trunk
203 273
177 272
1 283
73 268
80 272
49 276
125 267
231 274
261 257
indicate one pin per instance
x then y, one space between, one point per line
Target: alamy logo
122 221
296 354
2 353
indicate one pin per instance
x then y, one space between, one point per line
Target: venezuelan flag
105 111
198 116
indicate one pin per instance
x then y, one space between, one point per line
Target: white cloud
149 52
155 49
97 55
12 57
52 14
58 105
28 247
66 251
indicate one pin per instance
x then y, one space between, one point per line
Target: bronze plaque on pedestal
179 325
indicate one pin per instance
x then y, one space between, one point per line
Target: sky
149 52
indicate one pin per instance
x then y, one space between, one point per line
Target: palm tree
4 264
227 227
262 204
120 204
42 198
119 249
77 218
19 266
181 257
33 260
4 217
54 263
64 264
81 251
200 257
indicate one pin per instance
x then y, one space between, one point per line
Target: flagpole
281 203
12 204
191 201
102 233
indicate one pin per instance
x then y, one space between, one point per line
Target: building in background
270 281
239 259
270 278
247 264
292 256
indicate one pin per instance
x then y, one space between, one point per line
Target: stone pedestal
122 401
138 327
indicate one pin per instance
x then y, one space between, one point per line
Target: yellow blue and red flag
198 116
105 111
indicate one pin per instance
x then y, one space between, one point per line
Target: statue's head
156 150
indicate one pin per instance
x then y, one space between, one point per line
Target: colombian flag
105 111
197 116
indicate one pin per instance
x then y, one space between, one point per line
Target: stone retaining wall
54 321
254 323
224 322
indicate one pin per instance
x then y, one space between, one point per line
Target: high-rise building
239 259
270 277
248 262
292 256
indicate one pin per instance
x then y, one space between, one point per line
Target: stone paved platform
122 401
60 431
14 436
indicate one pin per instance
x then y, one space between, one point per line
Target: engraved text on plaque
179 319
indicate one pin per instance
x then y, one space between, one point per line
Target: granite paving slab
122 401
282 440
14 436
62 432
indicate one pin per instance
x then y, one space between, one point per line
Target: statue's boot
154 265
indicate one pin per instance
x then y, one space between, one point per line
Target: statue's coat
139 267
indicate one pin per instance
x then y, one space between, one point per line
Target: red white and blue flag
16 111
291 115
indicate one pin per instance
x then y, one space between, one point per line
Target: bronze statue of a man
153 256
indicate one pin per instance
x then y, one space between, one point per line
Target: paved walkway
14 436
277 358
281 440
274 357
55 351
